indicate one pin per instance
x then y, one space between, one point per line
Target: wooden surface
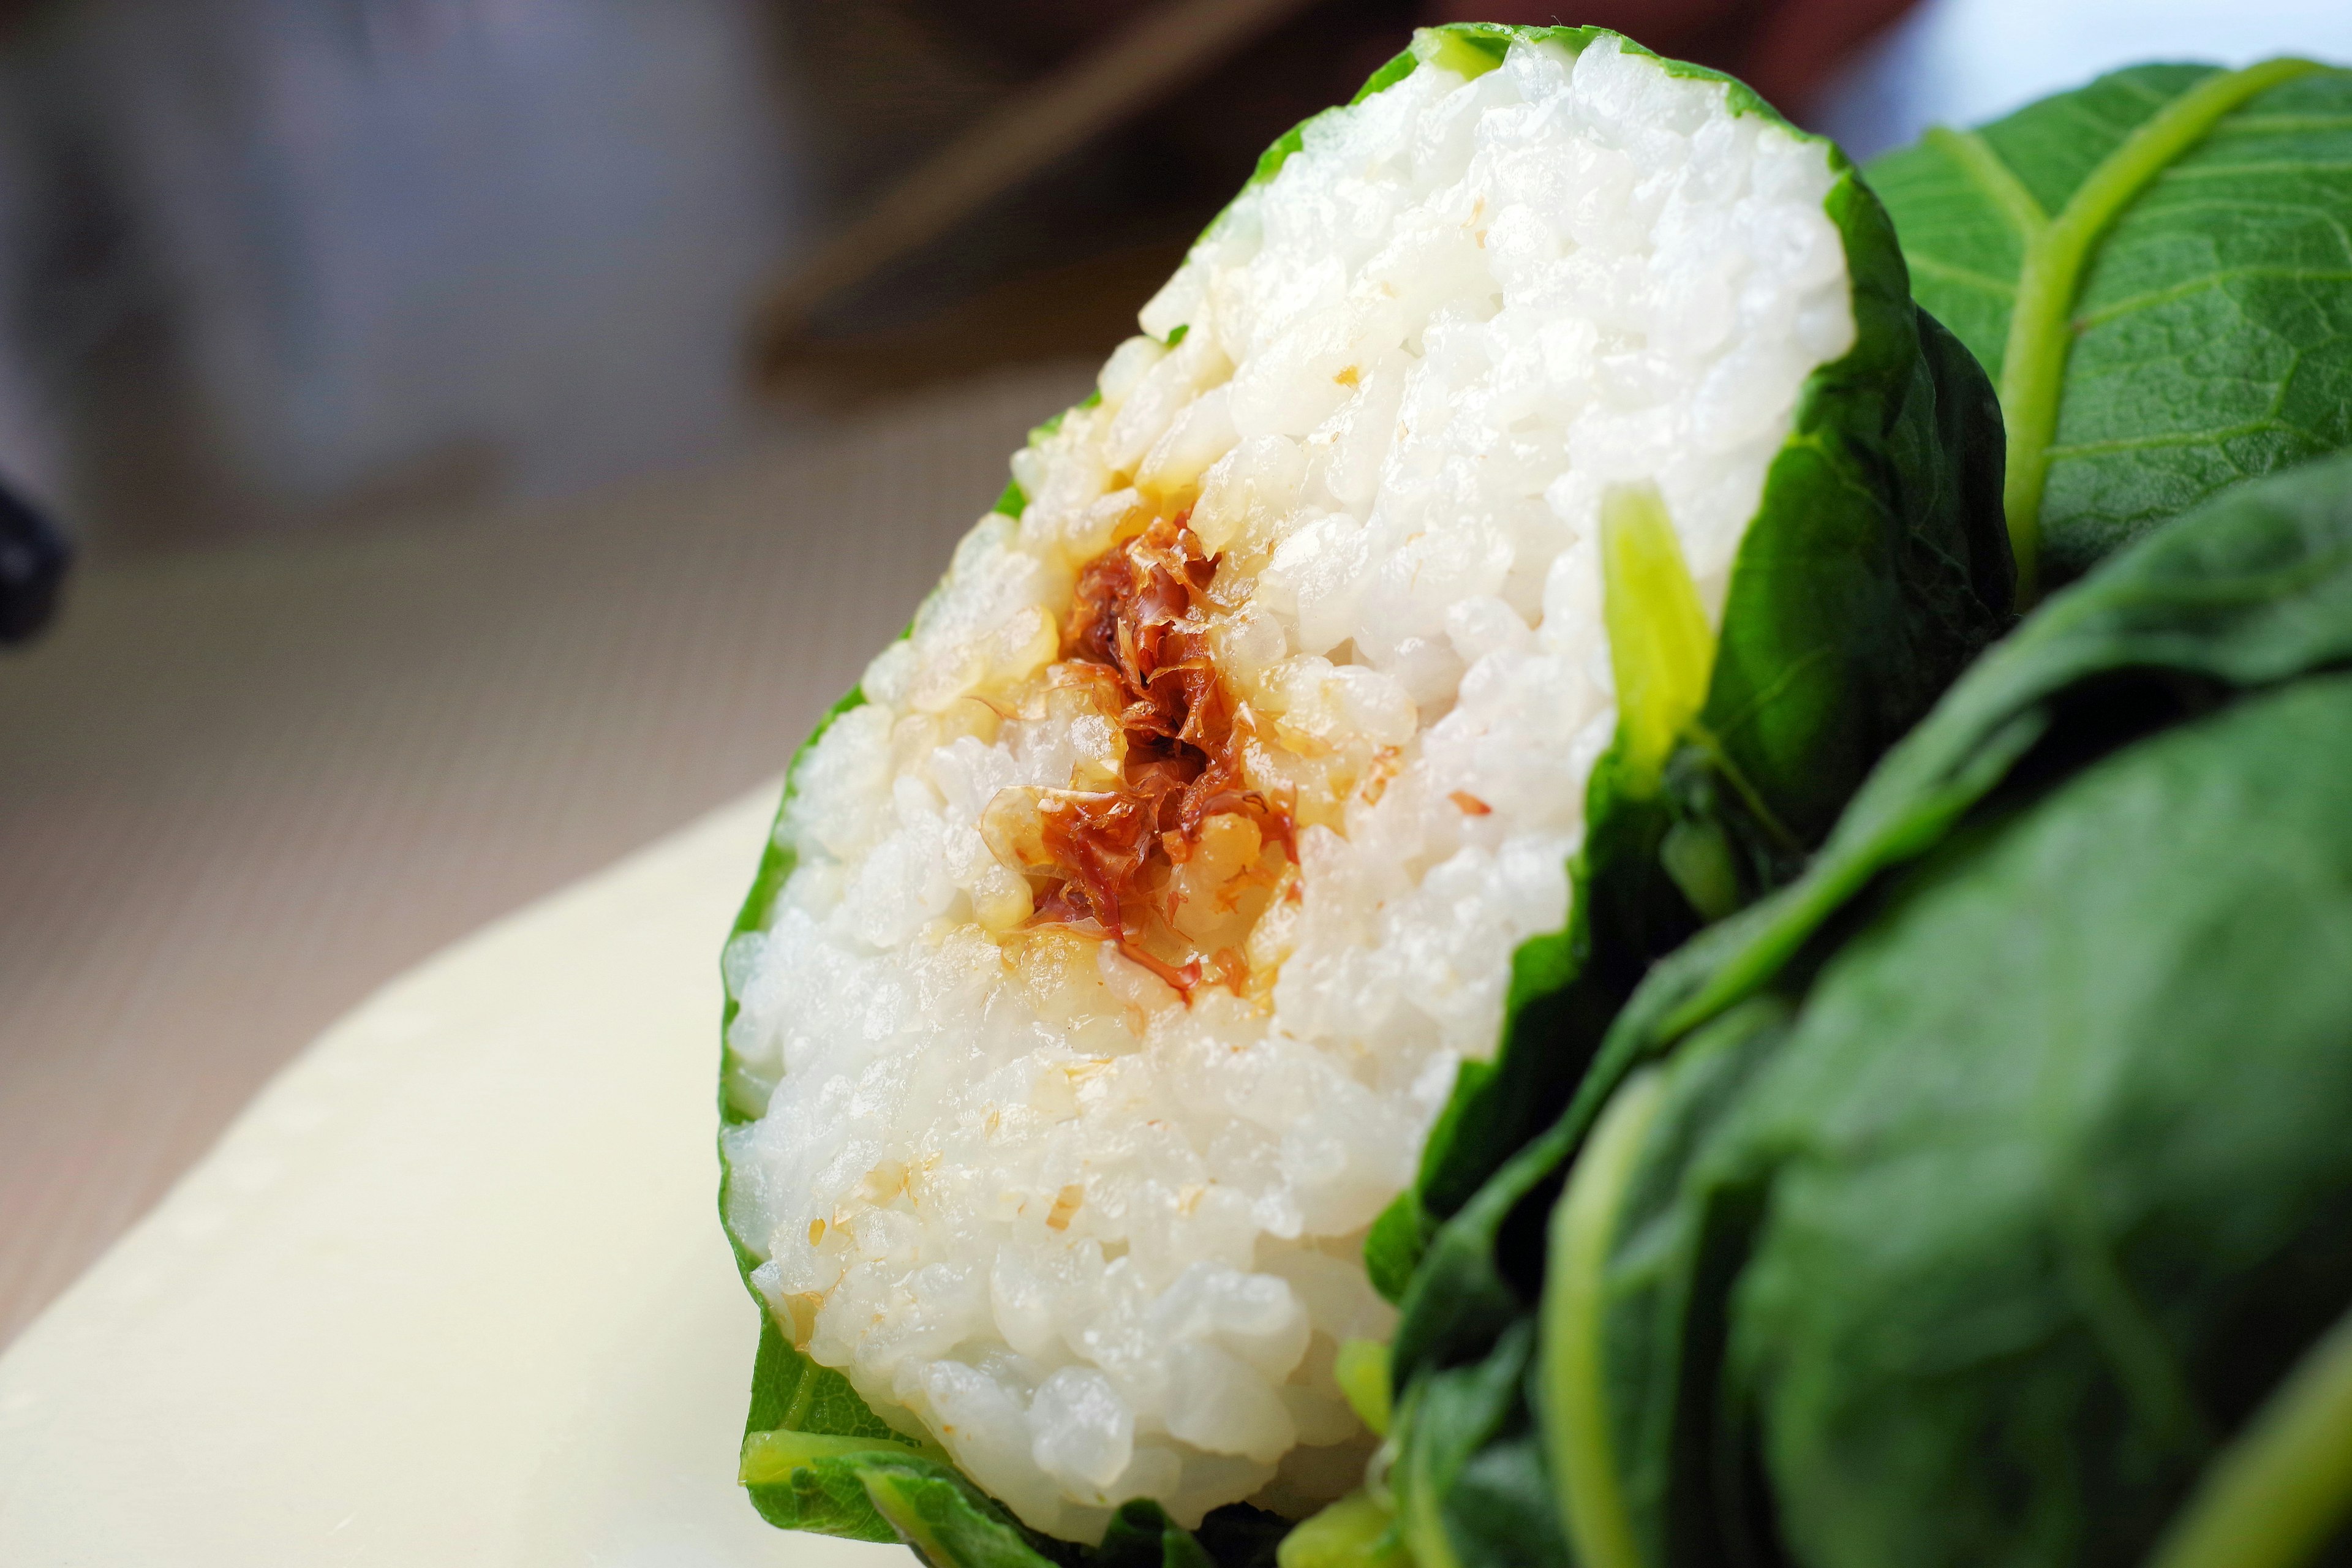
1099 90
238 791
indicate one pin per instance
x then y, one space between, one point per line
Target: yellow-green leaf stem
1415 1493
1354 1532
1660 645
1361 1370
1450 50
897 1503
2278 1493
2058 252
771 1458
1570 1383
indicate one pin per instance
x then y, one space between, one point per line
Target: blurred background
487 432
278 267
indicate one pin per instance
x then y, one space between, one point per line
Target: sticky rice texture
1100 1239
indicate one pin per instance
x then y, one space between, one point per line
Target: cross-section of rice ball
1141 908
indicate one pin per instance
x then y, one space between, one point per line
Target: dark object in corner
32 560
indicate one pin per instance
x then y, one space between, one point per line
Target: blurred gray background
281 265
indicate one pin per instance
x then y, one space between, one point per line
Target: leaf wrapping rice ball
1539 458
1985 1198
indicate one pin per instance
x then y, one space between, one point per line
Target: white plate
451 1292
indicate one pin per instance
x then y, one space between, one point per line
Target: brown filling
1139 626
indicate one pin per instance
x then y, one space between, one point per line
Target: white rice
1097 1240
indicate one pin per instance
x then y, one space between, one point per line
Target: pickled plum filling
1115 862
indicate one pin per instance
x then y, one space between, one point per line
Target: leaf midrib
2058 252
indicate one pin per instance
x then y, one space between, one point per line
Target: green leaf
2043 1185
2245 597
1469 1483
2157 268
1393 1247
806 1441
2059 1184
2253 588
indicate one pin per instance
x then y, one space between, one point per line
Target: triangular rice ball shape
1527 514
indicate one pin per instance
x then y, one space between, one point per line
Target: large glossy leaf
2254 589
1993 1249
2058 1181
2157 268
2217 612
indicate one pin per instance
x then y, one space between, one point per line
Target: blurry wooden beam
1070 310
1038 124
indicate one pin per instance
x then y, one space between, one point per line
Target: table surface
241 790
448 1291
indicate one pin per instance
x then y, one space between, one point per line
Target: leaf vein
2182 289
2170 439
1993 179
2245 124
2217 168
1951 273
